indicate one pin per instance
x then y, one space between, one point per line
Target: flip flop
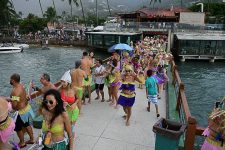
29 142
22 146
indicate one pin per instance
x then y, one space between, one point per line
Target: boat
10 49
24 46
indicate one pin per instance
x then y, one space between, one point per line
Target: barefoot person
77 77
69 99
127 96
55 122
86 65
25 112
7 124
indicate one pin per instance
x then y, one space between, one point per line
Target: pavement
101 127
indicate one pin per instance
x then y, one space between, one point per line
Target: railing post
174 76
181 88
190 134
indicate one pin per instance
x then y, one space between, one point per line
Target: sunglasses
127 70
48 102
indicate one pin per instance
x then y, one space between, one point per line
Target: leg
110 93
148 108
89 93
125 110
97 92
30 133
157 110
128 116
20 135
102 94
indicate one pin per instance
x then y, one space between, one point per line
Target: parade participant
69 99
92 58
77 77
215 132
55 122
114 80
46 82
107 82
99 79
25 112
86 65
7 124
127 96
141 77
151 91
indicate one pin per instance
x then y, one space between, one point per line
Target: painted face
64 83
50 102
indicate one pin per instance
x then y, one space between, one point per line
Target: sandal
158 115
22 146
29 142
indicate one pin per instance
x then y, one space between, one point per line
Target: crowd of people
62 105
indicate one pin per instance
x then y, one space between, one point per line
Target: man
46 82
99 79
77 77
86 65
25 112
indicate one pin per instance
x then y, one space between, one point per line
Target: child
141 77
151 91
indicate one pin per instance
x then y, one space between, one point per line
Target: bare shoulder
65 115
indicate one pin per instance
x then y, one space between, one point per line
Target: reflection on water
204 84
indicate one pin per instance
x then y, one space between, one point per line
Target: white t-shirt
99 79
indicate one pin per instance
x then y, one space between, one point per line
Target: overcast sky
32 6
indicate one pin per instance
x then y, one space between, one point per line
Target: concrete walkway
101 127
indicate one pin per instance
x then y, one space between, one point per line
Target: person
77 77
92 58
68 95
46 82
141 77
151 91
25 112
55 122
127 96
7 124
99 79
86 65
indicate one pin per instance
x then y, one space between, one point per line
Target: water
204 85
33 62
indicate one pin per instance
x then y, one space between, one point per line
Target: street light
202 6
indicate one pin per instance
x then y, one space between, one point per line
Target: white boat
10 49
24 46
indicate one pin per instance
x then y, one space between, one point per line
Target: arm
68 129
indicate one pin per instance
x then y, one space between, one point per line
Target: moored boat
10 49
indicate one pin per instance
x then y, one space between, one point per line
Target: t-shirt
99 79
151 85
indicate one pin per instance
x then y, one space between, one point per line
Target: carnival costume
6 126
215 132
128 98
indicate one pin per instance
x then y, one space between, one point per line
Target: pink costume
6 126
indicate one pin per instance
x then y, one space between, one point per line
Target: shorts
99 86
153 99
20 124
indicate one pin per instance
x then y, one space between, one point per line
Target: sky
32 6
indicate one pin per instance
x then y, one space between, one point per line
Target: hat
66 77
128 67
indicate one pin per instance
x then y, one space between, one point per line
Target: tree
109 8
42 12
154 1
83 12
50 14
6 12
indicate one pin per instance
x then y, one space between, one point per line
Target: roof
156 13
200 36
113 33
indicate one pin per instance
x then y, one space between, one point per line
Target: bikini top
128 86
56 129
68 99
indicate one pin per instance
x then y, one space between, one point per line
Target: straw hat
128 67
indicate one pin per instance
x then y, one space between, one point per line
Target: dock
102 127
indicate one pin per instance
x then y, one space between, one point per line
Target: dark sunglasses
127 70
48 102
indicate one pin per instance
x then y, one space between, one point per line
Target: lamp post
202 6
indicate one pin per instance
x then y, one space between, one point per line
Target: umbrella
121 47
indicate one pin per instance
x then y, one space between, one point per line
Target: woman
7 124
215 132
55 122
127 96
69 99
114 80
92 58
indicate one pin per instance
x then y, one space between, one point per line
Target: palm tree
96 3
83 12
109 8
41 8
154 1
50 14
7 11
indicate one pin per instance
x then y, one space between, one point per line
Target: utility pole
97 11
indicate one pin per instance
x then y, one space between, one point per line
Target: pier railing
182 108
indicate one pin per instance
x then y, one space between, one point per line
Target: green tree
7 12
154 1
50 15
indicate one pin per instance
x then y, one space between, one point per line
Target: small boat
24 46
10 49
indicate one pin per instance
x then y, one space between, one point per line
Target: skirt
126 101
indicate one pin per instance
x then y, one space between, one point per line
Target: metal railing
182 107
